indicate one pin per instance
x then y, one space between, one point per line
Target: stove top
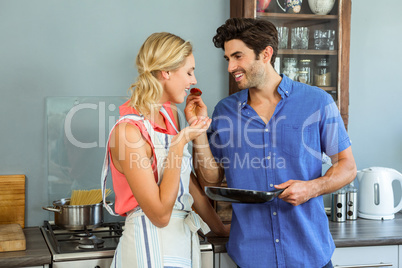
100 242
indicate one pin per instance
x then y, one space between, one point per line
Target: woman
151 166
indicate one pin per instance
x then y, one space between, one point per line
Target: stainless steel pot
76 217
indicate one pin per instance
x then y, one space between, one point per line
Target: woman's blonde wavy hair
160 52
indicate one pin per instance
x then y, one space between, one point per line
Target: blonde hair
160 52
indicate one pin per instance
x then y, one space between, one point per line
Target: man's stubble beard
253 76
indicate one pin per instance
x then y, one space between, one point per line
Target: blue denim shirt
257 156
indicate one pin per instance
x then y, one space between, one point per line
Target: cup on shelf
324 39
299 38
283 33
291 6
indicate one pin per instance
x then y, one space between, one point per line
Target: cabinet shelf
328 88
285 16
307 52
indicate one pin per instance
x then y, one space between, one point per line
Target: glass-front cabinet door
314 41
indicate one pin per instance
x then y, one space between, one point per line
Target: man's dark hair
257 34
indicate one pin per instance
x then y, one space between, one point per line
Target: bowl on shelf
321 7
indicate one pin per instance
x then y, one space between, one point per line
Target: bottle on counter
338 206
351 202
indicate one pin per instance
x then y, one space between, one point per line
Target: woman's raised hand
195 108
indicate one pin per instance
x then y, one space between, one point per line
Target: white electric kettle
376 195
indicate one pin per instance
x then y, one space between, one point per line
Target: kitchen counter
36 253
358 233
363 232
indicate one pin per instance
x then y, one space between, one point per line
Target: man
272 135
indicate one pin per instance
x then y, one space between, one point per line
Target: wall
375 89
375 126
85 48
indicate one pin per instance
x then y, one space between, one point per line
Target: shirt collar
284 89
285 86
243 98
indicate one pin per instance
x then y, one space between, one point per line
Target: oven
95 248
207 253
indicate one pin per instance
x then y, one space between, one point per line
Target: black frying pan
240 195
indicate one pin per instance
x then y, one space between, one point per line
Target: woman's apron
142 243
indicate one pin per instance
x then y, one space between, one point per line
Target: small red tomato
196 91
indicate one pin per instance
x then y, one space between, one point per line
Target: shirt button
271 185
266 130
268 157
287 92
277 240
274 213
244 103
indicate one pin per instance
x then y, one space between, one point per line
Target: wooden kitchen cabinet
338 57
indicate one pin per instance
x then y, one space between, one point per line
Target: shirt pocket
295 139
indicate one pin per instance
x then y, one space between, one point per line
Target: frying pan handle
52 209
278 192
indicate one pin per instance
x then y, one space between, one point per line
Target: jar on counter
290 69
351 202
338 206
305 75
322 76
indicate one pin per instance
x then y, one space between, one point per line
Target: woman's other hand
196 128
